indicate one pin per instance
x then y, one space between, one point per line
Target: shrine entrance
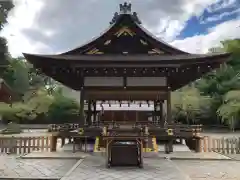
127 63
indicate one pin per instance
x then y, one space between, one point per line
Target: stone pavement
12 167
55 155
93 168
210 170
194 156
234 156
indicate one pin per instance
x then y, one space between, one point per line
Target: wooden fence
22 145
220 145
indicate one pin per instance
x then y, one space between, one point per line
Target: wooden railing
62 127
22 145
220 145
69 127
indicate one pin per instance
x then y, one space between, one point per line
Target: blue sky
197 25
53 26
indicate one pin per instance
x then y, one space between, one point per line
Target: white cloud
51 26
220 10
202 43
220 16
222 4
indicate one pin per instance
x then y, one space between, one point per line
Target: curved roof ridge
81 47
158 39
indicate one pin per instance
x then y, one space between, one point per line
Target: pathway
210 170
93 168
11 167
59 166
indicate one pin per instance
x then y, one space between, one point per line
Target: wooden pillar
161 118
63 141
161 110
155 116
81 110
112 118
124 116
94 112
169 111
136 116
89 113
85 144
169 118
166 146
198 144
53 143
171 145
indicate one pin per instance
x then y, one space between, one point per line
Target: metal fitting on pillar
104 132
146 130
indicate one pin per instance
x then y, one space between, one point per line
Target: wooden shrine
126 63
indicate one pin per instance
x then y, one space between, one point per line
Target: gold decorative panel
125 31
143 42
107 42
155 51
94 51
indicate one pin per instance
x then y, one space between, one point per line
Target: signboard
103 81
146 81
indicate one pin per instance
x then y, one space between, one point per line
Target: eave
126 60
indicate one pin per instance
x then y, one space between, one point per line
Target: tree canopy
223 85
5 7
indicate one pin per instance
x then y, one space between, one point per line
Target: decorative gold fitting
170 132
81 131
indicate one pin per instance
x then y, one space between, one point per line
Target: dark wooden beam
125 95
81 110
121 88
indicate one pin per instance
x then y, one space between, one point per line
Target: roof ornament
115 17
135 17
125 8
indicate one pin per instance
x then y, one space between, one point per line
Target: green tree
226 78
233 46
5 7
34 104
63 110
229 111
189 105
218 84
16 76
